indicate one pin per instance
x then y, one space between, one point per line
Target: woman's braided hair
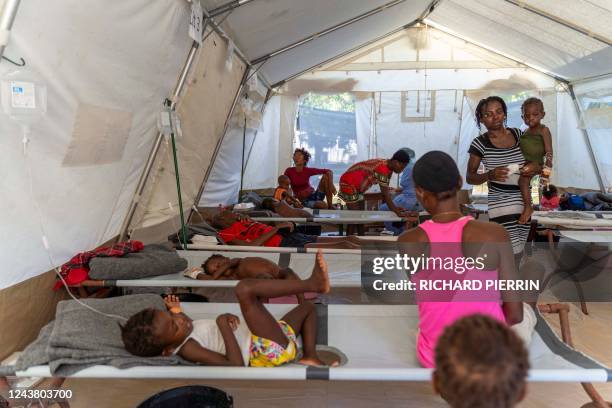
483 104
480 363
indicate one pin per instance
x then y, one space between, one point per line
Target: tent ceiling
530 37
263 26
421 47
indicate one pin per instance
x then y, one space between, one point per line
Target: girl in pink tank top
439 309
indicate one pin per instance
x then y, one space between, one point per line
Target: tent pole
219 142
591 78
425 13
542 13
183 234
587 139
326 31
242 161
232 5
7 17
156 145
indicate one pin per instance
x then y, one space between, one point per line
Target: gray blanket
79 338
153 260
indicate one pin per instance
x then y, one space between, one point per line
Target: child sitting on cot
480 363
451 235
550 199
536 145
283 192
261 341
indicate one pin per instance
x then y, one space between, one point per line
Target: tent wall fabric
396 127
573 165
271 152
261 167
203 122
85 156
595 100
224 182
22 318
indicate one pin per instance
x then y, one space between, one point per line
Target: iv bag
24 96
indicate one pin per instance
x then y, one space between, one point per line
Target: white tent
96 167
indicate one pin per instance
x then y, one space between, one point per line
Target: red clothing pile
76 270
249 231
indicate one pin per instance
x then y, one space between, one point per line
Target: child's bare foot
316 361
311 361
320 274
525 215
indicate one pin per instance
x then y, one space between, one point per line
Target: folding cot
574 219
353 329
342 217
344 270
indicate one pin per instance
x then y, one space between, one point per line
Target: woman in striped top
500 151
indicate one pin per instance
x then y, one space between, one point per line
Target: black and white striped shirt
504 199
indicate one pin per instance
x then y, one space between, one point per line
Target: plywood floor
312 394
592 334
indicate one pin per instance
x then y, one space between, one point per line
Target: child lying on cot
218 266
261 342
283 209
480 363
237 229
450 234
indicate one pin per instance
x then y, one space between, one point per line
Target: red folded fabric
76 270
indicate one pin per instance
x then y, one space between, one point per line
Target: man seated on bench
238 229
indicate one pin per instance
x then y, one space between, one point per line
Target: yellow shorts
268 353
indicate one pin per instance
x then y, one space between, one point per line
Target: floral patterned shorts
268 353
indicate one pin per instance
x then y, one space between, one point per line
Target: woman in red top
300 182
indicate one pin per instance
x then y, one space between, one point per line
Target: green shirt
532 146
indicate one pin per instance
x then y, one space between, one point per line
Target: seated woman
300 182
226 341
284 209
236 229
450 235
